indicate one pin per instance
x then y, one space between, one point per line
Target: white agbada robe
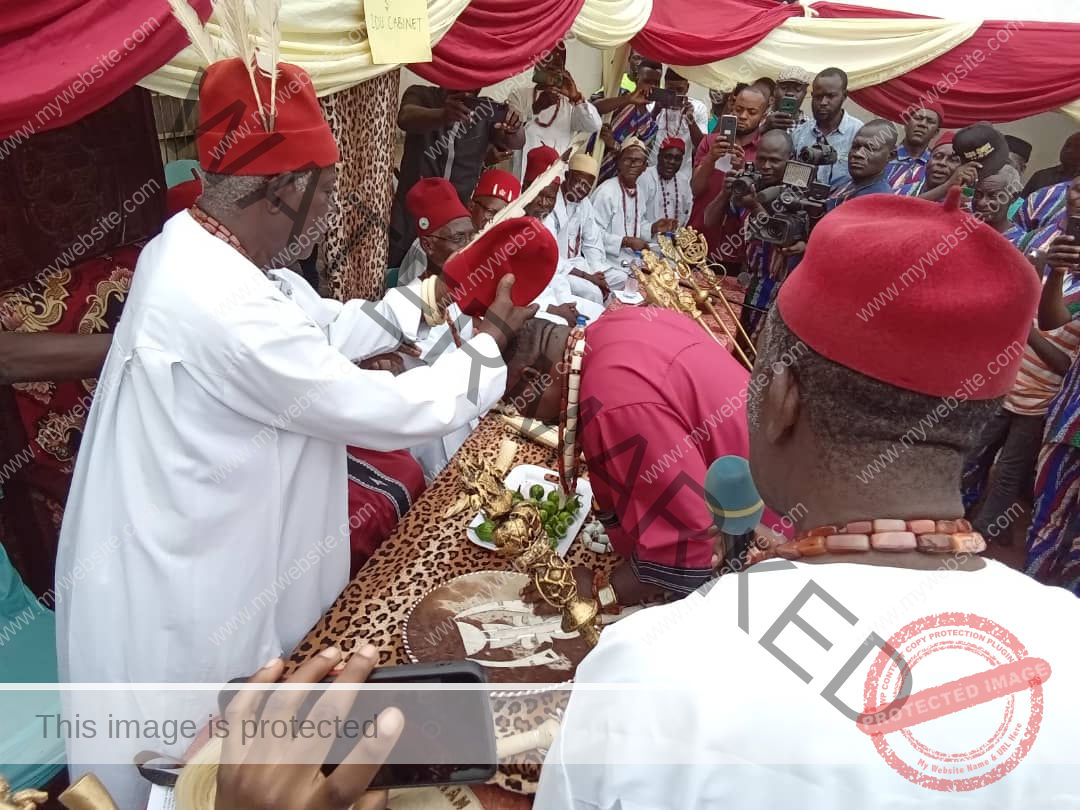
581 246
215 453
554 126
413 265
668 199
618 215
712 719
672 124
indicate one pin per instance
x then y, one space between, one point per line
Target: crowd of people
220 340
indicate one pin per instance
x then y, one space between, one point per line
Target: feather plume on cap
238 38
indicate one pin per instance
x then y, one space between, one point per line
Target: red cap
182 196
928 304
433 202
945 139
236 141
538 161
519 245
935 107
672 142
497 183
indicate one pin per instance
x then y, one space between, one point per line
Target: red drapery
1031 68
495 39
64 59
693 32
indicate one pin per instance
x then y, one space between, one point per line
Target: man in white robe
555 110
621 213
688 123
666 189
765 691
207 526
581 245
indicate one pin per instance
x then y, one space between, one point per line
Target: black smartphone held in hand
449 734
729 124
547 78
789 105
664 98
1072 228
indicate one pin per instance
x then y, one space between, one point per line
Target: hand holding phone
245 778
1064 253
729 126
664 98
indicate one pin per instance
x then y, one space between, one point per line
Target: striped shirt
1042 206
906 168
1036 385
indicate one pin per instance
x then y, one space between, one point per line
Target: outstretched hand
503 319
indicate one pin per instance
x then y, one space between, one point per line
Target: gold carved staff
691 248
661 274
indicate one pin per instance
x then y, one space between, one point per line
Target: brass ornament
519 534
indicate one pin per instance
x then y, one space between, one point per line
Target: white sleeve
359 328
603 213
649 190
584 118
701 118
279 358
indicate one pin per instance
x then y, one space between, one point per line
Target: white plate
524 476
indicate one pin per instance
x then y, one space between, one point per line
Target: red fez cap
234 140
935 107
521 246
945 139
538 161
497 183
182 196
433 202
671 142
927 304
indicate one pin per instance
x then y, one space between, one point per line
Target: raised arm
1063 257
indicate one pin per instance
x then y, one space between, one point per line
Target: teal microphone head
731 496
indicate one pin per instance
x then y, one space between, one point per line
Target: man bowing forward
210 488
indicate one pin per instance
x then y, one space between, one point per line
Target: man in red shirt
711 159
659 401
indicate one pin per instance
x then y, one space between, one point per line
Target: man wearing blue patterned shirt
867 164
909 166
829 124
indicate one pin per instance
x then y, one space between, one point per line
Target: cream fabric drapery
327 39
871 51
609 23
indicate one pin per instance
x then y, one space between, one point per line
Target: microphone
734 502
731 495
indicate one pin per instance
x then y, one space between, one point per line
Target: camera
793 208
819 154
749 179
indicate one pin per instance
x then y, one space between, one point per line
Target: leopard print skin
352 257
424 551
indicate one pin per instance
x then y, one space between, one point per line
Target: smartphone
547 78
728 126
449 735
1072 228
664 98
680 102
789 105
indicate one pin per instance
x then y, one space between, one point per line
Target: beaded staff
573 357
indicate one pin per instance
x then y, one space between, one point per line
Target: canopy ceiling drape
64 59
894 58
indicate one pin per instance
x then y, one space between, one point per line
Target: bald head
774 151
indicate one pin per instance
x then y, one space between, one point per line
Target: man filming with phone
792 86
631 119
553 108
678 116
447 134
725 151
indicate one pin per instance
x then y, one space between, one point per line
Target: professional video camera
792 208
745 181
821 153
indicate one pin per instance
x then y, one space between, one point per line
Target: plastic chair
392 277
180 171
27 655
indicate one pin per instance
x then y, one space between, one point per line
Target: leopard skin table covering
424 551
